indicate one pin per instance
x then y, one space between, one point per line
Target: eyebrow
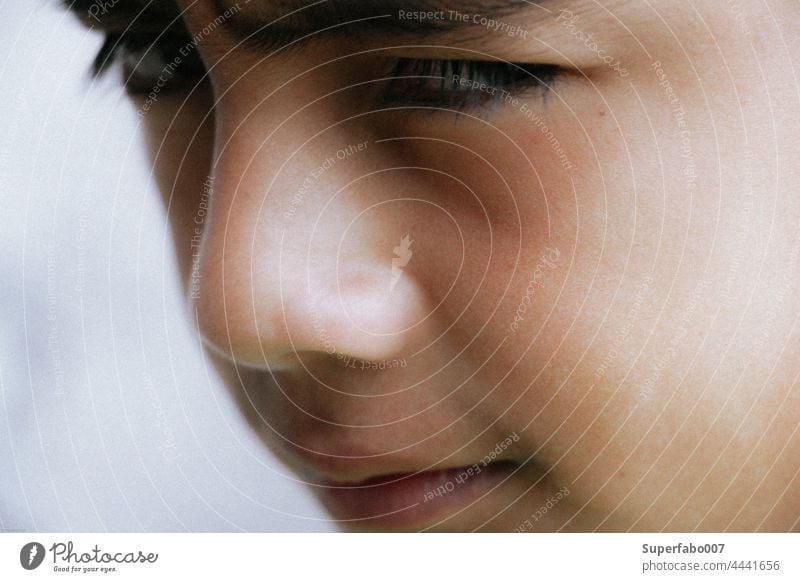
269 25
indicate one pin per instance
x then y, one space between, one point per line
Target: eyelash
463 83
144 57
411 82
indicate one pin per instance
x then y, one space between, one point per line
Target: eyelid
145 57
149 60
462 83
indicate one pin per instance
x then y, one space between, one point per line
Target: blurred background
111 417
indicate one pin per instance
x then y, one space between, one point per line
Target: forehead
267 23
319 12
278 8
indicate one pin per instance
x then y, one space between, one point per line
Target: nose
304 254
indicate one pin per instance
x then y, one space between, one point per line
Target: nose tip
300 255
360 307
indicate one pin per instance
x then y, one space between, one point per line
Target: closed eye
462 83
146 57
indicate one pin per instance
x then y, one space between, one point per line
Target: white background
404 557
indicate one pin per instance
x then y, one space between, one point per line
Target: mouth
412 500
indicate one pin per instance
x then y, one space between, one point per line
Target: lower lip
411 500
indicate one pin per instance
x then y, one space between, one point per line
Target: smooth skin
608 270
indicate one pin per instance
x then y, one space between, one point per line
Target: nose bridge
291 261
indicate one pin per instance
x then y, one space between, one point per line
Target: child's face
582 299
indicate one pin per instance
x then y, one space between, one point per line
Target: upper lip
345 458
348 467
336 469
382 478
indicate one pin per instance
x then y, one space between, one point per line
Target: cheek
577 310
